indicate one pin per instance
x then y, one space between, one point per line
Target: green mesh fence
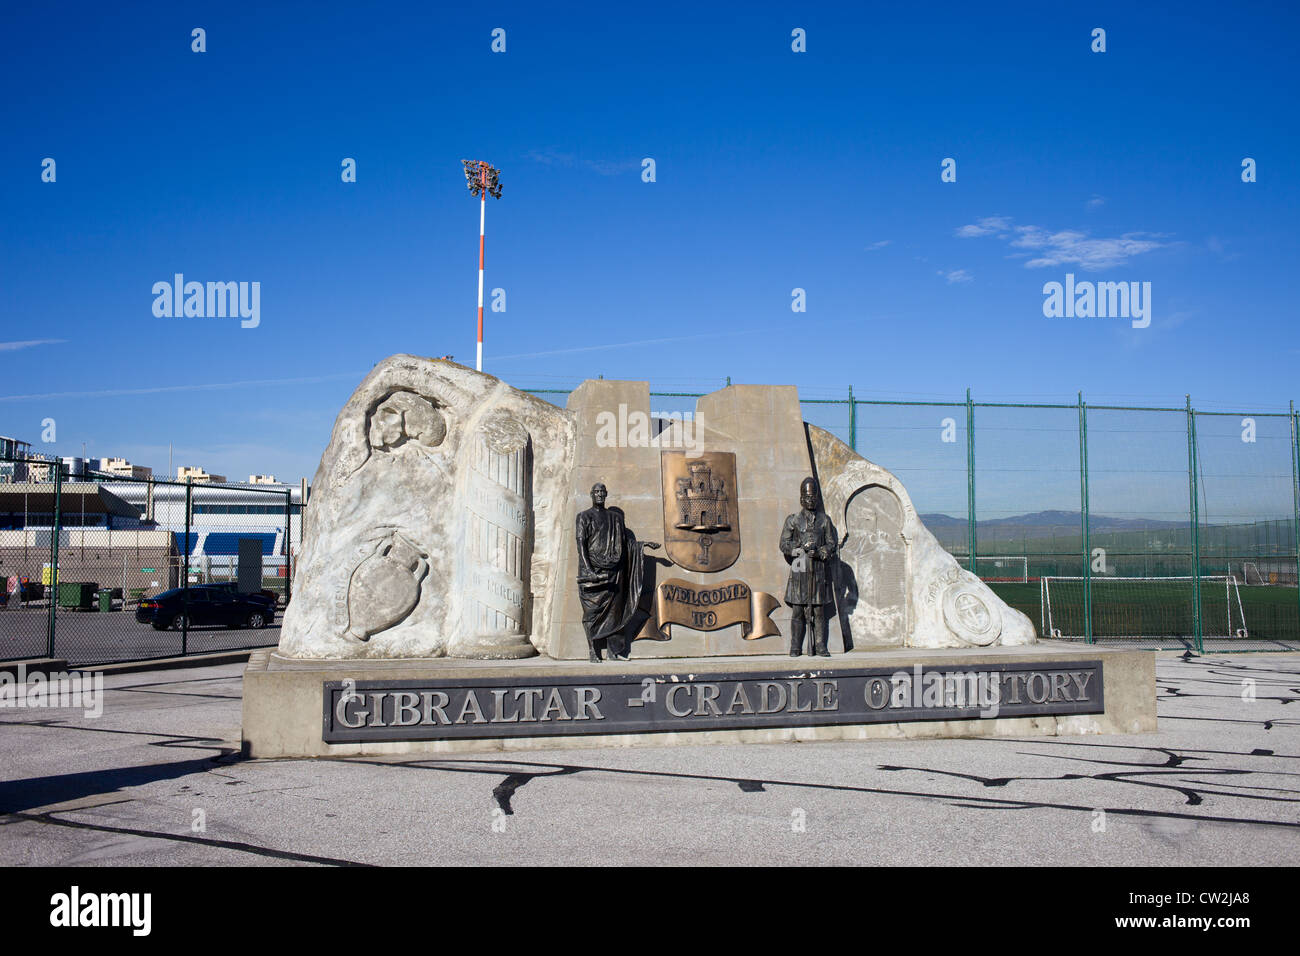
1137 583
925 445
1245 511
1151 526
1155 527
1027 500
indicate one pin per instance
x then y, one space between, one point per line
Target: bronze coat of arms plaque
701 509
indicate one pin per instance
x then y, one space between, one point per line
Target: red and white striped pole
482 217
483 180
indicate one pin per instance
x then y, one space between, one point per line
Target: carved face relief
405 416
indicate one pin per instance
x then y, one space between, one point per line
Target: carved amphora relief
384 587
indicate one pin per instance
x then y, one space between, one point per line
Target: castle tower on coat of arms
702 501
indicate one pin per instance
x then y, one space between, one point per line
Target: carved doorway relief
877 555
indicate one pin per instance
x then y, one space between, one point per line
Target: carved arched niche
875 568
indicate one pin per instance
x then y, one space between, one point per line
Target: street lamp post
483 181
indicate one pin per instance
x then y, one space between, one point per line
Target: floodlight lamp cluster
480 176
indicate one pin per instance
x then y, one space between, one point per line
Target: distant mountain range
1041 523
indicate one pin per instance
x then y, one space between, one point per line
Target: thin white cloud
956 275
879 245
1069 247
1047 248
601 167
1220 248
29 343
988 226
619 345
210 386
1096 201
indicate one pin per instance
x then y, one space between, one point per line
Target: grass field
1160 609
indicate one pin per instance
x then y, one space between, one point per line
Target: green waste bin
106 600
77 594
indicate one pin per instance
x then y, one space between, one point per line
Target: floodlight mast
483 180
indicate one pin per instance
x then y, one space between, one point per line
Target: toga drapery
611 572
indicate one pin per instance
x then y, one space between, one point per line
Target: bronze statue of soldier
611 576
808 543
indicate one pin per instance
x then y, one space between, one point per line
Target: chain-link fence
102 567
1158 527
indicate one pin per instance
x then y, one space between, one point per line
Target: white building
198 476
10 449
122 467
219 516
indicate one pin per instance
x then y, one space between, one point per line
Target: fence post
1196 528
970 481
1085 521
853 421
288 545
185 572
1295 494
55 523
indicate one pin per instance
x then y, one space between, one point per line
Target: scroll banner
712 607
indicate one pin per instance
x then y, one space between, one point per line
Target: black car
232 588
219 604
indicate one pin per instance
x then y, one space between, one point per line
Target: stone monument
461 573
433 528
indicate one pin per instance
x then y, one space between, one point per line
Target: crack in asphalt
49 819
169 740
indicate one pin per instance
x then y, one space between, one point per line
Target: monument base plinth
493 647
315 708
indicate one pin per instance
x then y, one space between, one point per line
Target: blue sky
775 170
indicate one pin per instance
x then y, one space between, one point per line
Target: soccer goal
1250 574
1012 568
1132 608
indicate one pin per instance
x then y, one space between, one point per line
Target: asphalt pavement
95 637
157 779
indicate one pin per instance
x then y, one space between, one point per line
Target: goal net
1124 607
1250 573
1263 572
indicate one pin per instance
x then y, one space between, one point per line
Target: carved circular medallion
505 435
970 615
